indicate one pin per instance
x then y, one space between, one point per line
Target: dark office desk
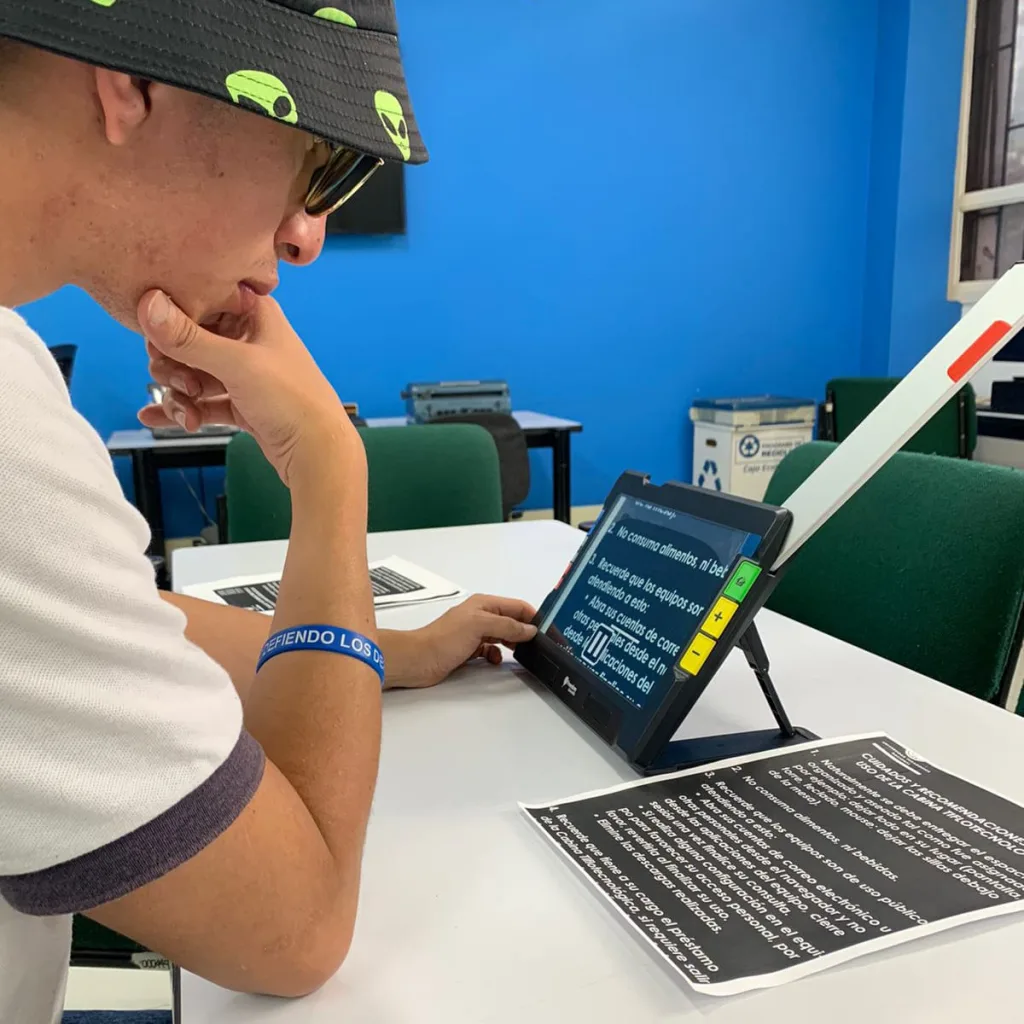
150 455
1000 438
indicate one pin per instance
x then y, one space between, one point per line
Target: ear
124 104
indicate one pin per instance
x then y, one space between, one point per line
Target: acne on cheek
147 250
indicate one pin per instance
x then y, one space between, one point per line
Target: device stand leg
757 658
691 753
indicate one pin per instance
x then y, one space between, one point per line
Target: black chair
513 455
65 357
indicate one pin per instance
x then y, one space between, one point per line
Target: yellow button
719 617
696 654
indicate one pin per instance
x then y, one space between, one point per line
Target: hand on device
263 380
477 628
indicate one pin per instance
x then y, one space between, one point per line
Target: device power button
742 580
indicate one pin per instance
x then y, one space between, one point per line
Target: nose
300 238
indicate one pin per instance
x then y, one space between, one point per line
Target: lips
259 287
232 319
247 299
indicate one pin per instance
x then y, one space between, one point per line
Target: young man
165 155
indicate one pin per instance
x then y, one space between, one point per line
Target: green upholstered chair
952 431
420 477
923 566
257 504
92 945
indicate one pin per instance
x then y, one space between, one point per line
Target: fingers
490 653
154 416
191 383
506 630
510 607
180 338
178 409
502 620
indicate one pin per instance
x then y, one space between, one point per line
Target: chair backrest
923 566
65 357
952 431
425 476
95 943
419 477
513 454
258 504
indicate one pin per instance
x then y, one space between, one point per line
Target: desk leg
562 475
148 499
176 995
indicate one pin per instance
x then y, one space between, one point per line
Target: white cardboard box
740 457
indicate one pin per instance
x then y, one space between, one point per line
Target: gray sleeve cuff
149 852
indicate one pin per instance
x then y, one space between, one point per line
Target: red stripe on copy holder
977 350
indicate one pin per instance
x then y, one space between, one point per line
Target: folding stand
679 755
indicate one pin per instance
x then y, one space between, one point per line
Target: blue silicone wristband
324 638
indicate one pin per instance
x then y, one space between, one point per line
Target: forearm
317 714
234 638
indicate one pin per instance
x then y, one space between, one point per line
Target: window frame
965 202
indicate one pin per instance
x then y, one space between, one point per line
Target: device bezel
640 734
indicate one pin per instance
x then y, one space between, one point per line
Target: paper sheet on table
395 581
760 870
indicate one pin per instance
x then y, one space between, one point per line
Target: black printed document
395 582
760 870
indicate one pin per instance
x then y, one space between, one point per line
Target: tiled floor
113 988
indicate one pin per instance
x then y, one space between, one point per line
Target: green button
742 580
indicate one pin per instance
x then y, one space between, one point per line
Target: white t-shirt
122 752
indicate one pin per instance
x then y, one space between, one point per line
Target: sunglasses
334 184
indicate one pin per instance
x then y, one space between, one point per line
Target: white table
150 454
467 918
126 442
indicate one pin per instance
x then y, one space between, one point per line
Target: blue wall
627 207
884 189
921 313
